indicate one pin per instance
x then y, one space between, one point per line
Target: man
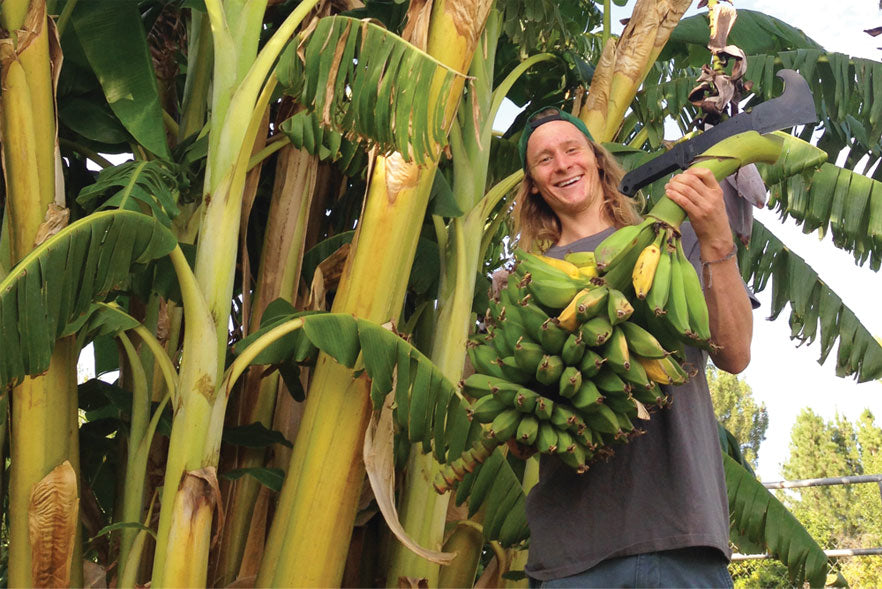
656 513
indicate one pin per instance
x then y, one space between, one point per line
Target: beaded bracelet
705 266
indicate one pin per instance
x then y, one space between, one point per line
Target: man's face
563 168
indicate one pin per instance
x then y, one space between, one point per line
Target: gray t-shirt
661 491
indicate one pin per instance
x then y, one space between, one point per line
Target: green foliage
115 46
765 521
138 186
812 304
840 516
59 280
738 412
371 86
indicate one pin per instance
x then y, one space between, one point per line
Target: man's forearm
731 315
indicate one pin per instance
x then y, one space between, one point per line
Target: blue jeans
685 567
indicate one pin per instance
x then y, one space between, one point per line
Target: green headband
531 125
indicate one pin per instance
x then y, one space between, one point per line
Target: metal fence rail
846 480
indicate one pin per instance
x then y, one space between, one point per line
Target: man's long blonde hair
540 228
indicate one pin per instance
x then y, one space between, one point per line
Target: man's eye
544 159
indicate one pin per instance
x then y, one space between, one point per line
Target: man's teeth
568 182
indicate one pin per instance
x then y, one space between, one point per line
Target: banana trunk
423 511
242 87
619 75
43 430
325 492
279 276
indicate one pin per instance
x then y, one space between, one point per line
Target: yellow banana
569 268
661 286
644 270
568 318
663 370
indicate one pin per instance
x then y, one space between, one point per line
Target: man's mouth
568 182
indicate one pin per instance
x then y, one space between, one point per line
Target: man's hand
700 195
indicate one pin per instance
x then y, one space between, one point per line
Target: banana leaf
113 40
429 408
812 305
371 85
759 516
135 186
59 280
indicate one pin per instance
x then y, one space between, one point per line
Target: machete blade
794 107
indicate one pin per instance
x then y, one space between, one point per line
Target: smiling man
656 513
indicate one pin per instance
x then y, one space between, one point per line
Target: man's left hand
699 194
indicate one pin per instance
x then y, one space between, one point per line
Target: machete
795 106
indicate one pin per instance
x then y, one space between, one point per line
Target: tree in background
842 516
737 410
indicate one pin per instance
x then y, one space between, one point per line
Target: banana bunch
649 258
563 368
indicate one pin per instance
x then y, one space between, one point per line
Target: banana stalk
724 158
372 287
618 76
423 511
242 89
278 276
44 423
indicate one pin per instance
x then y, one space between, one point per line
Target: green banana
610 382
533 318
603 420
570 381
616 351
565 441
552 336
641 341
525 400
577 458
528 429
614 248
661 286
485 409
546 438
592 303
619 275
591 364
549 370
528 354
698 316
621 403
496 338
573 349
677 308
506 396
581 259
483 358
505 425
564 418
653 396
587 396
618 308
478 385
544 408
512 371
636 376
596 331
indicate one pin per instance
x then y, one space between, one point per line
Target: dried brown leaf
53 511
379 463
54 220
